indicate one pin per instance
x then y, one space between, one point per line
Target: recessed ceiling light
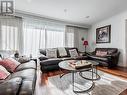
87 17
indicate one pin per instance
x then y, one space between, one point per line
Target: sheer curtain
28 35
11 33
34 36
40 35
55 35
71 36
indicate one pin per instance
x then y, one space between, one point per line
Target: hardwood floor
119 71
42 79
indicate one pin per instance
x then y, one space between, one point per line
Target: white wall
118 35
82 33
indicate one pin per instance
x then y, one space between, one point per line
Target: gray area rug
107 85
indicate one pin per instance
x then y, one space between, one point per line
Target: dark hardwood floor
43 78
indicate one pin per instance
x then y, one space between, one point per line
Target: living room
63 47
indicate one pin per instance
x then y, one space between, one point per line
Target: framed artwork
103 34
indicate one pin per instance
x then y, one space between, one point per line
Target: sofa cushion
27 65
81 58
73 53
62 52
75 58
26 88
26 74
10 64
51 53
67 58
111 51
10 87
99 58
3 73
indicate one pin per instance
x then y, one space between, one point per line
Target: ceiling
74 11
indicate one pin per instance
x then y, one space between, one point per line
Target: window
34 38
30 35
39 37
70 39
54 39
11 33
9 37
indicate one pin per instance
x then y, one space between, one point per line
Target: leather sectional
21 82
49 64
110 60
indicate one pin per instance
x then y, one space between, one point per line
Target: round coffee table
65 65
95 71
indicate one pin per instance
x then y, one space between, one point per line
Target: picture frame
103 34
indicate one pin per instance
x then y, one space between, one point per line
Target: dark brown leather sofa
21 82
49 64
110 60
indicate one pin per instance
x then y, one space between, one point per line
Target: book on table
80 64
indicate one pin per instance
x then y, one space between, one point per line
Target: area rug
107 85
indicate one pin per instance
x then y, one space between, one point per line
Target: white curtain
73 37
40 35
11 33
28 35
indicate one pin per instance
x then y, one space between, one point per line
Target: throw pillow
104 53
62 52
73 53
3 73
10 64
101 53
98 53
51 53
23 59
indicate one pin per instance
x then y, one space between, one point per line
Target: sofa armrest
42 57
115 54
113 59
10 87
